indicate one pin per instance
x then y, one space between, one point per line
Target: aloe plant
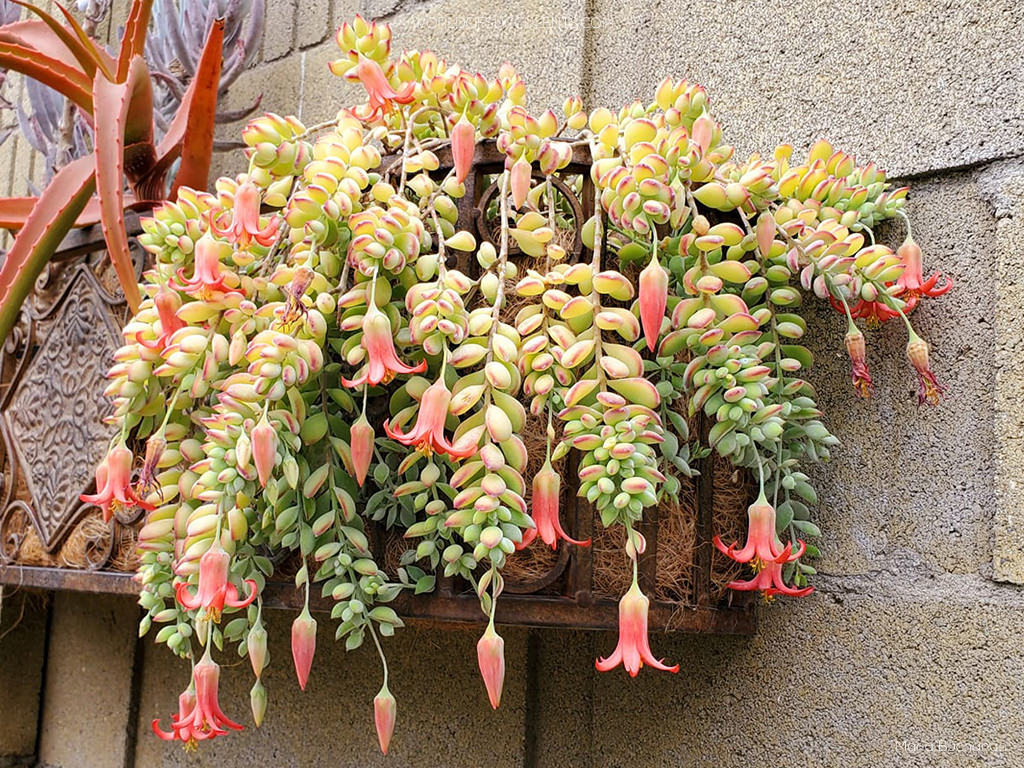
115 95
175 44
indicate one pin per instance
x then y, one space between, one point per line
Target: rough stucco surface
22 642
443 714
908 654
916 85
87 696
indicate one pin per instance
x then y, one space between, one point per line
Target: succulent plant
320 345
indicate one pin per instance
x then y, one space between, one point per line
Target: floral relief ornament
311 333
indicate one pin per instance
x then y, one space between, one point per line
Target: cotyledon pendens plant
320 345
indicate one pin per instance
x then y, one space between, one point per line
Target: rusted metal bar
524 610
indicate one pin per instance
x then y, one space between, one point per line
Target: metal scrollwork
52 409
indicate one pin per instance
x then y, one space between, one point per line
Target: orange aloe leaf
133 42
74 38
113 101
190 134
50 71
32 33
50 220
14 211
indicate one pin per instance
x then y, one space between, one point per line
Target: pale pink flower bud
303 645
490 654
520 181
463 144
361 443
264 449
653 300
258 702
256 644
384 712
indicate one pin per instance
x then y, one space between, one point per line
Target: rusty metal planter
51 418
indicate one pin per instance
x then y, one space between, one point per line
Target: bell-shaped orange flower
379 91
912 281
546 491
241 225
167 303
382 364
857 350
199 717
209 278
929 389
764 553
114 484
634 648
762 544
428 433
181 728
215 591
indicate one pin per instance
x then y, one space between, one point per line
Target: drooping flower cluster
324 331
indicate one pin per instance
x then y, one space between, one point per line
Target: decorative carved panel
52 411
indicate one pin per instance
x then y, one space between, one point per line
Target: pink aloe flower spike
385 710
653 300
428 433
634 648
361 444
382 363
303 645
463 144
244 227
215 591
378 90
490 655
114 484
546 489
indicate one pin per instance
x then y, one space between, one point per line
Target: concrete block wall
908 652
